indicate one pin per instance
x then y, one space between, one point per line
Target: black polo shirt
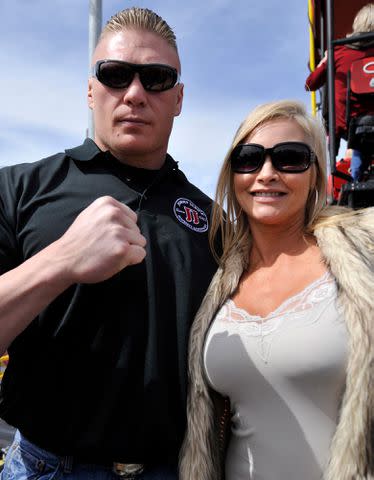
101 372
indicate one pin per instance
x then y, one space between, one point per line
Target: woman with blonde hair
281 351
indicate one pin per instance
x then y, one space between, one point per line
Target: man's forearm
27 290
102 240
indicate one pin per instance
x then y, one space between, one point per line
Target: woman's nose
267 170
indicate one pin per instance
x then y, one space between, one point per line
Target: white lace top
284 374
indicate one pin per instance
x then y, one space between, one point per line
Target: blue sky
235 55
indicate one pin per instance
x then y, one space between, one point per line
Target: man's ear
178 105
90 99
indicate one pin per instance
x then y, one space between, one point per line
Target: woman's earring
316 197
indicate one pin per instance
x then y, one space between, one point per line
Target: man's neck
145 161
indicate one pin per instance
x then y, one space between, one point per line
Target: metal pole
312 53
355 38
331 82
94 29
323 49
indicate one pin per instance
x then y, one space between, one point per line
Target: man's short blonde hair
140 19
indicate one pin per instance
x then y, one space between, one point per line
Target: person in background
344 55
281 349
104 261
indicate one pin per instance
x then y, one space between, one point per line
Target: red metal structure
331 21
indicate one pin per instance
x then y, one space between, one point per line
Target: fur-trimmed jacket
347 245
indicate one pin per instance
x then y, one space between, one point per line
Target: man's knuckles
136 255
113 210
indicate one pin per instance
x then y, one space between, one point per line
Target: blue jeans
26 461
359 163
356 165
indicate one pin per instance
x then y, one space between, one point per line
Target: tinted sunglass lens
115 75
158 78
292 158
246 158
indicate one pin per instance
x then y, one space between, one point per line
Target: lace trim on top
296 307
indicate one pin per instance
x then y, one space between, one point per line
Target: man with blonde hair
104 260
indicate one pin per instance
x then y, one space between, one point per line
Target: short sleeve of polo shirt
9 252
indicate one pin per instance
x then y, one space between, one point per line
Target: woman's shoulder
345 229
344 217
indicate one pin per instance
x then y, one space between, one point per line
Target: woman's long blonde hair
233 225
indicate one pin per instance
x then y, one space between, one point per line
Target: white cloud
48 95
203 135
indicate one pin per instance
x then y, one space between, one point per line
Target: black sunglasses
153 76
288 157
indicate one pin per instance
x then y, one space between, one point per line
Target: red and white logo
190 215
362 76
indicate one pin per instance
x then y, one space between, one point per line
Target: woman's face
270 197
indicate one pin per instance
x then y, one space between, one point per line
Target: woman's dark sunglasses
153 76
288 157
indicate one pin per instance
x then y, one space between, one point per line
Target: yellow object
312 53
3 363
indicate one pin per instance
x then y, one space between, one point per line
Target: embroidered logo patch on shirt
190 215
